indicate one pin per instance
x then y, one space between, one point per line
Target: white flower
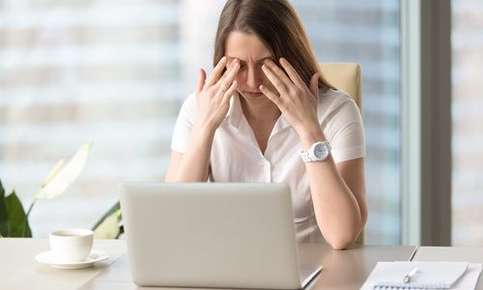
61 176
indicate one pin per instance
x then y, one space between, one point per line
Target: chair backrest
346 77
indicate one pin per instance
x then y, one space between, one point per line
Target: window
115 73
467 63
71 72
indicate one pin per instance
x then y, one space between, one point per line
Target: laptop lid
225 235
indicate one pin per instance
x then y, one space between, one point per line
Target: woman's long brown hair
277 25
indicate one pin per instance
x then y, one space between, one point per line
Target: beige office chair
346 77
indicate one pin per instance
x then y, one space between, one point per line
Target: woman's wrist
204 131
311 134
205 125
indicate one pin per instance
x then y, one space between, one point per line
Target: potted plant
14 220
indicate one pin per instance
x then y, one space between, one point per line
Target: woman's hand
213 95
296 101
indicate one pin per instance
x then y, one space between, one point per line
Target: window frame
426 153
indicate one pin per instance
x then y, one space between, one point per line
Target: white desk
343 270
20 270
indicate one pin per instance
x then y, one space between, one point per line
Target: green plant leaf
108 226
17 220
3 212
107 214
60 177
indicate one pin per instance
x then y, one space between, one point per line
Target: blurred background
116 72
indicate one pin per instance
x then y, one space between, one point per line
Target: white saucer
49 259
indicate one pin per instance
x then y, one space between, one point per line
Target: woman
265 114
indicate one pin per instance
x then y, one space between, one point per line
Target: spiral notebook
430 275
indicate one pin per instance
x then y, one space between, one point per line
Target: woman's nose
253 78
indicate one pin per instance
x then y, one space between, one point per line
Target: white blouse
236 156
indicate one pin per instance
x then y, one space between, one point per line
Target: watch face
320 151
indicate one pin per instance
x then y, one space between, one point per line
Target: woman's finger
279 73
201 81
217 72
314 84
229 93
228 77
292 73
271 96
277 83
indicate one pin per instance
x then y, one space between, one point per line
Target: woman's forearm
194 165
336 208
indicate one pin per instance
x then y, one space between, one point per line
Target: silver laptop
226 235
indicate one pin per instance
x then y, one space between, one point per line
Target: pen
407 278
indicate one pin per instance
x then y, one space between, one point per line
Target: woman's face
250 52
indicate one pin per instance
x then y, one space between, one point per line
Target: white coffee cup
71 245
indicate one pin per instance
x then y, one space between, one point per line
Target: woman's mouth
254 94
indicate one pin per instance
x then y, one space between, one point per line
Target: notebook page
441 275
467 282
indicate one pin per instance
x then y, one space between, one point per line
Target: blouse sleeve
184 124
345 131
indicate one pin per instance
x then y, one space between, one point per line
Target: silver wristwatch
319 151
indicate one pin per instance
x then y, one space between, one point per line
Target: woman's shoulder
332 101
190 101
189 106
